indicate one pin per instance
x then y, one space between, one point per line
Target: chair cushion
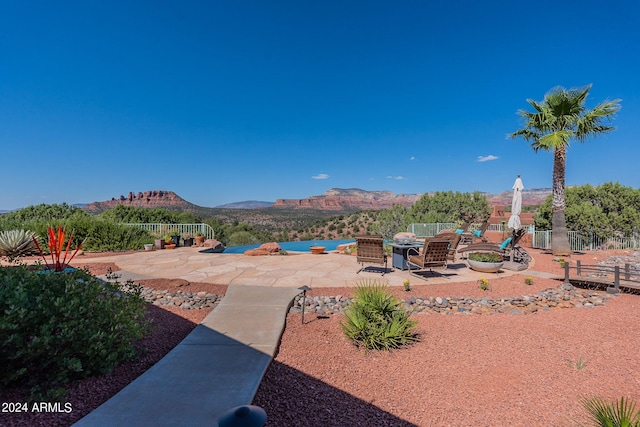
459 231
477 233
504 244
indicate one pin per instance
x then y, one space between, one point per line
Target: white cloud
412 158
487 158
320 176
396 177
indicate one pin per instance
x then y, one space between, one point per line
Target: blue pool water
301 246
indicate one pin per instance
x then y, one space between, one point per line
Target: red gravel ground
467 370
481 370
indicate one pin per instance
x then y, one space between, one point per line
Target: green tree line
607 210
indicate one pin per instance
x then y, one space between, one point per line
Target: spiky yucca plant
611 414
17 243
376 320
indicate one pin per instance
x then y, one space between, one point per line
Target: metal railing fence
429 230
579 241
181 229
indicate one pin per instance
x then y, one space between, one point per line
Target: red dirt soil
484 370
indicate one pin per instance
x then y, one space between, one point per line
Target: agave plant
17 243
56 245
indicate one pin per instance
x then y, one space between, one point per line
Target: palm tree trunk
559 237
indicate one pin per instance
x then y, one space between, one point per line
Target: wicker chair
370 249
434 254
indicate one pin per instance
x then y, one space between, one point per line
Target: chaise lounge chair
434 254
477 235
370 249
509 246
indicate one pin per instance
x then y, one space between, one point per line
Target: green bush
241 238
485 257
103 235
57 327
611 414
376 320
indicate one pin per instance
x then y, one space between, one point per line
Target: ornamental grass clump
376 320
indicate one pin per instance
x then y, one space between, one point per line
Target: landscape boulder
264 249
213 243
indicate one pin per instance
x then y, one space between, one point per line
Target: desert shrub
242 238
102 235
376 320
611 414
132 214
57 327
41 212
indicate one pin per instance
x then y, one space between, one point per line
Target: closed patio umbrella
516 205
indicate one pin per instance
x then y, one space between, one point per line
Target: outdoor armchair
434 254
370 249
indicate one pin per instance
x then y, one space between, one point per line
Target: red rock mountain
148 199
335 199
349 199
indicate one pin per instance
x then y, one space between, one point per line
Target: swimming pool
299 246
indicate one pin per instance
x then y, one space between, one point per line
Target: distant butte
148 199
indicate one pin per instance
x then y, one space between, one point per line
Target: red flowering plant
56 243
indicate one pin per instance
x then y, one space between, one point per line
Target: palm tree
558 119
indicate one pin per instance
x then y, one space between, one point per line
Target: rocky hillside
534 196
333 200
337 199
148 199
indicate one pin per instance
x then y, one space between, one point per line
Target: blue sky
225 101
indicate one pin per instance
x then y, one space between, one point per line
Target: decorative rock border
564 296
184 300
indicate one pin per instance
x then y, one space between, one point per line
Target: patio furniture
509 247
370 249
399 256
471 237
434 254
454 239
463 228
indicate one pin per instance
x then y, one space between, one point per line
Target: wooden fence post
616 281
566 273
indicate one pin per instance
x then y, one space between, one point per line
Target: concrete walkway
218 366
